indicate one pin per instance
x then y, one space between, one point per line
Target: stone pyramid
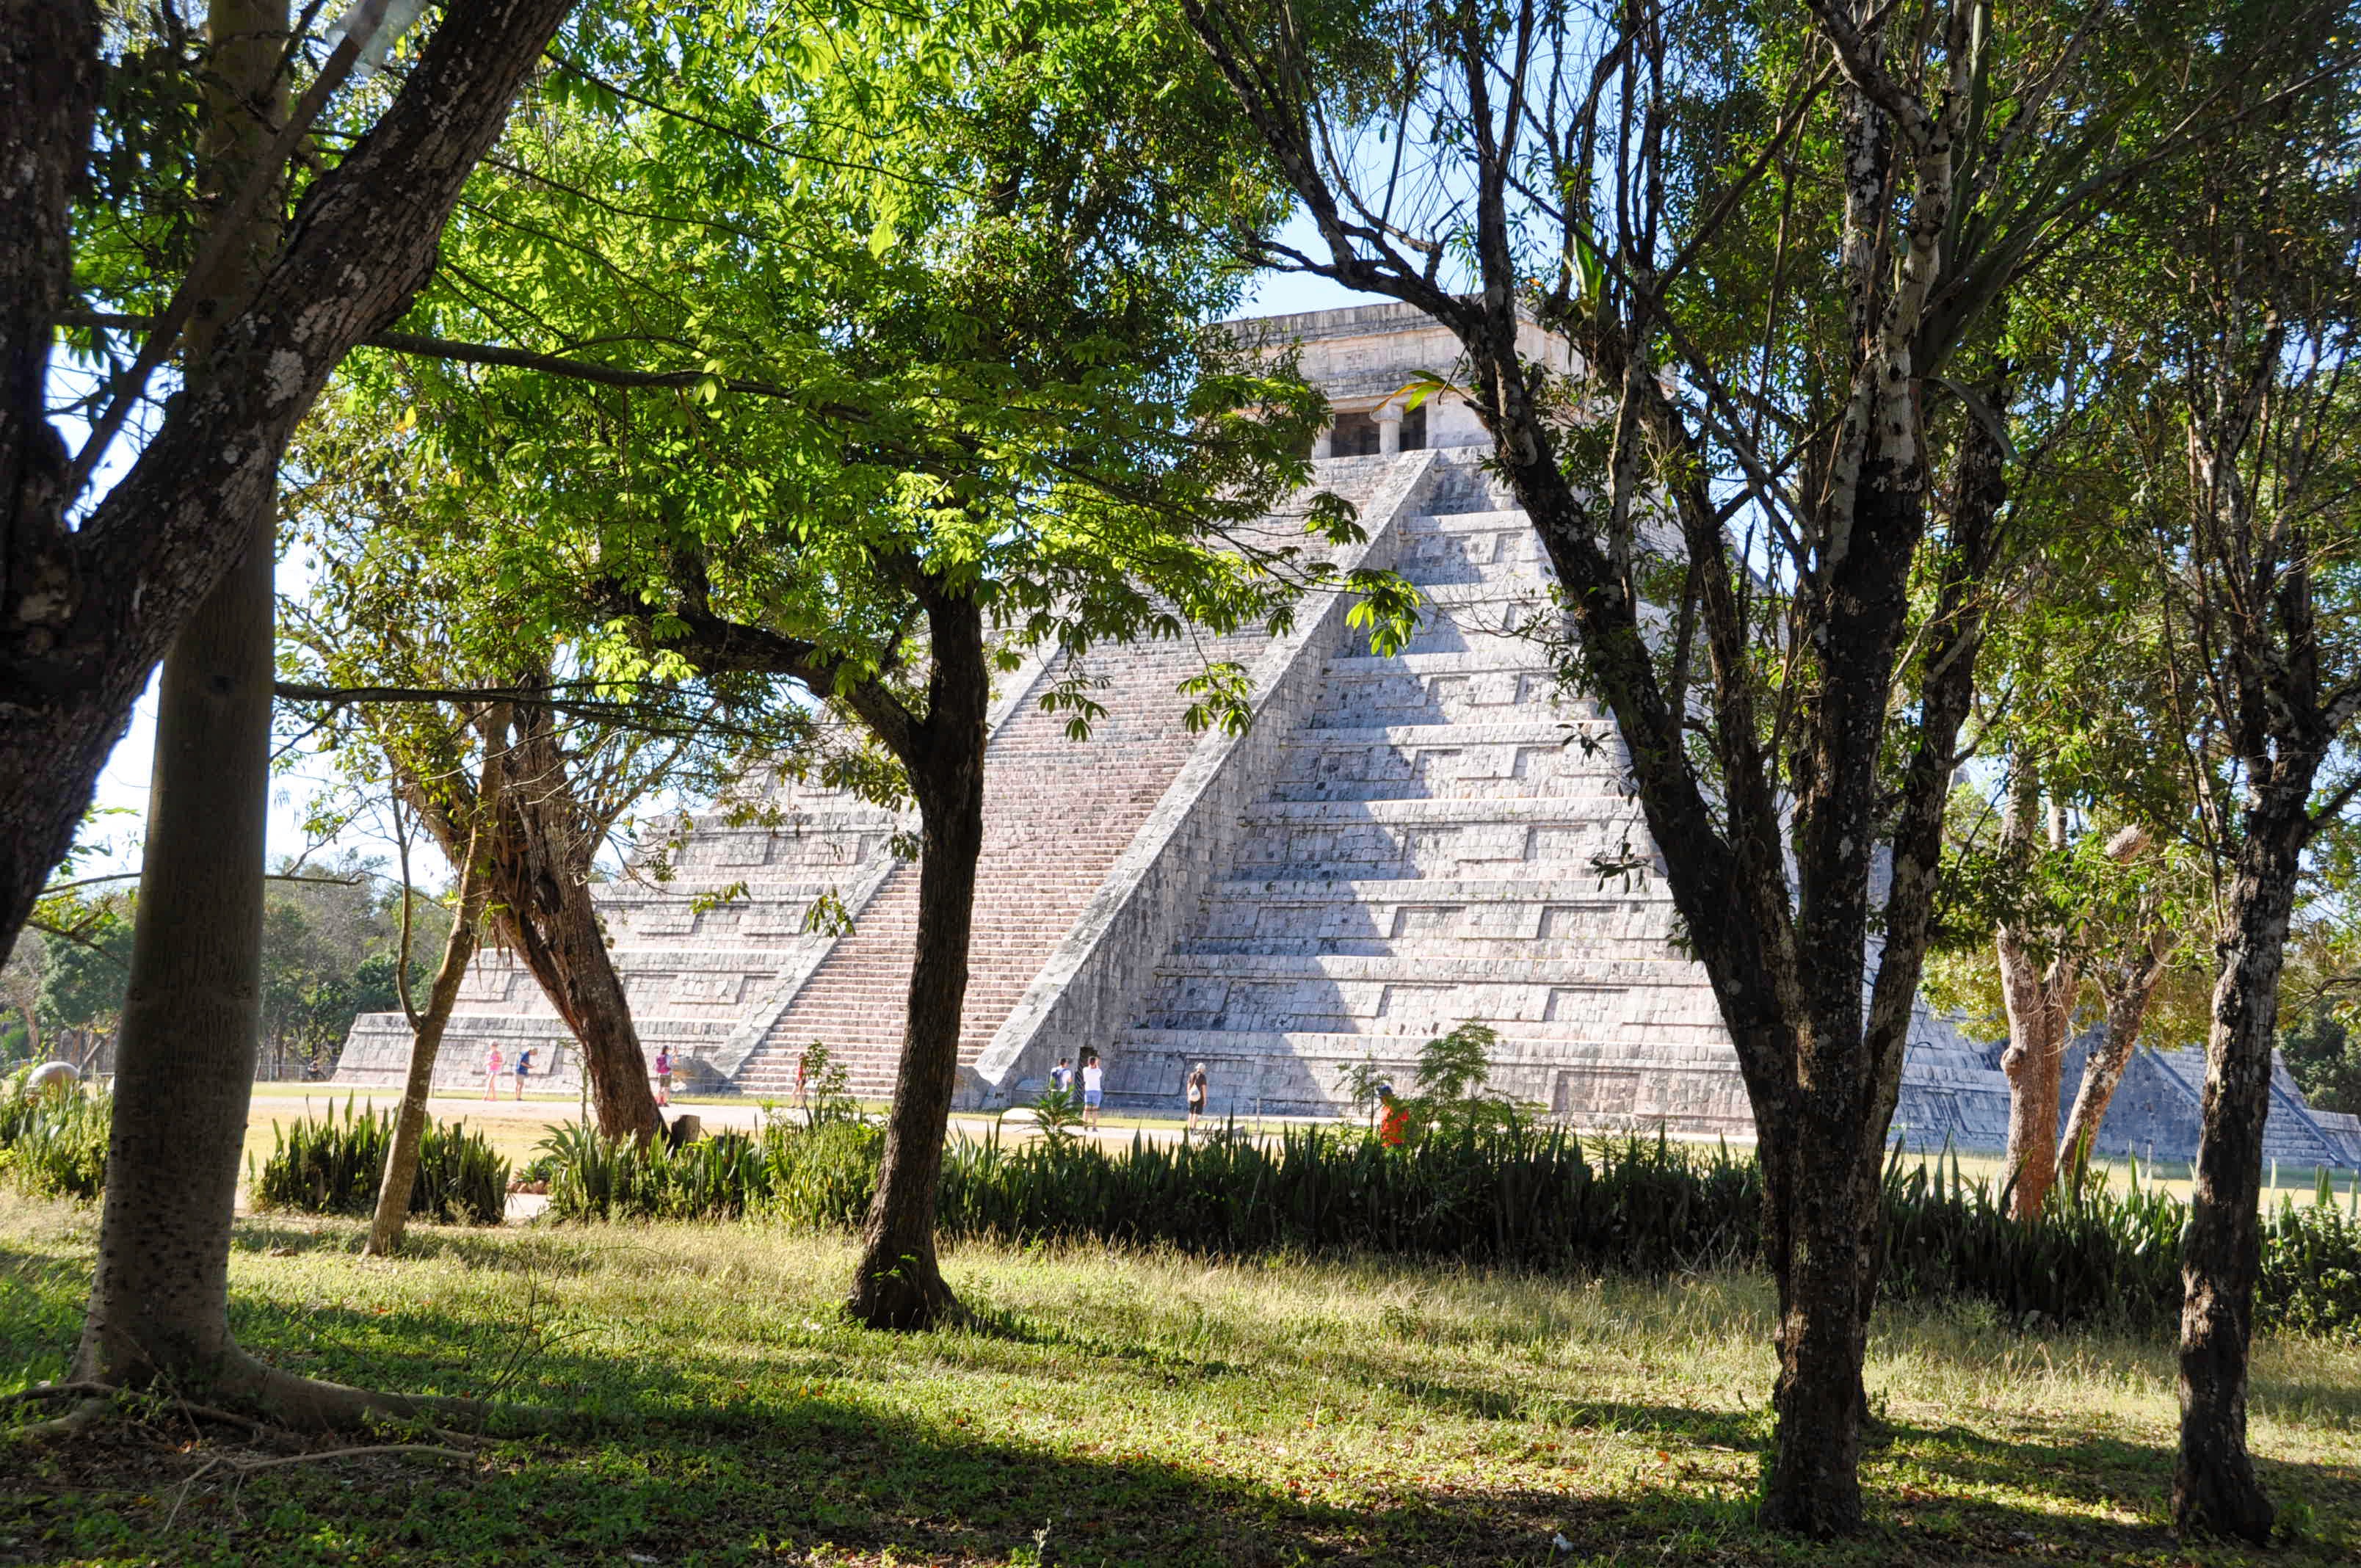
1395 845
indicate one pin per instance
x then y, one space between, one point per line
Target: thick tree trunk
85 611
1831 1217
2127 994
897 1283
542 850
2214 1489
536 858
410 1122
160 1304
553 928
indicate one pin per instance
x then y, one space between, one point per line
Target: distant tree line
331 944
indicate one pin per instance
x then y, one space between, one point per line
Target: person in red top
1393 1128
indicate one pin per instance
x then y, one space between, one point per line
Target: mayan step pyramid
1394 846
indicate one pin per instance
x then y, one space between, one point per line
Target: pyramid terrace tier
1421 995
1693 1089
1496 920
1556 836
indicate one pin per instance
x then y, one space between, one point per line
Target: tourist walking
1196 1095
1094 1090
663 1075
493 1059
1393 1130
523 1070
1062 1077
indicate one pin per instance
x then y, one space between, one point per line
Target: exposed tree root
73 1423
248 1393
904 1301
54 1391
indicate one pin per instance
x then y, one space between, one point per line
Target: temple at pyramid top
1394 846
1369 359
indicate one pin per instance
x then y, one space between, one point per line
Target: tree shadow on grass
706 1450
773 1474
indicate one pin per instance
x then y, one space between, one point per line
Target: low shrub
1513 1196
333 1166
819 1176
54 1145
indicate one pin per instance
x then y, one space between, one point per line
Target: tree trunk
540 856
2040 1002
897 1283
186 1057
412 1120
2038 990
2214 1489
2128 993
87 610
1831 1217
536 855
553 928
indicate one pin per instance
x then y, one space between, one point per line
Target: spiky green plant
54 1145
331 1165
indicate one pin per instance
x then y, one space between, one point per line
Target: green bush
1511 1196
333 1166
54 1145
2312 1265
821 1176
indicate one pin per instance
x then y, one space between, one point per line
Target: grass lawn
1109 1408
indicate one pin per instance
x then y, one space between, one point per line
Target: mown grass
1114 1408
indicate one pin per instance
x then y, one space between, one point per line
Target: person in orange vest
1393 1128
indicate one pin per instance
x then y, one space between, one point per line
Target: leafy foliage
333 1166
2325 1058
54 1145
1453 1068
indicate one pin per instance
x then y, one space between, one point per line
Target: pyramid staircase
1058 813
1446 839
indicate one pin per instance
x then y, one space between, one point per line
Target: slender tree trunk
185 1060
897 1283
2040 1000
2214 1489
410 1123
2038 989
2127 994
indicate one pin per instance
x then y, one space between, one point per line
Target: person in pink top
493 1059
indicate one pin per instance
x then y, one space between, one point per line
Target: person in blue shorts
1094 1090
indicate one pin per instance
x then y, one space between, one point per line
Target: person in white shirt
1094 1087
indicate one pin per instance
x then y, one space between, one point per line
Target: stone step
1377 696
1540 729
1487 933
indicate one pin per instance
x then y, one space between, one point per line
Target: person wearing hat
1196 1095
1393 1130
